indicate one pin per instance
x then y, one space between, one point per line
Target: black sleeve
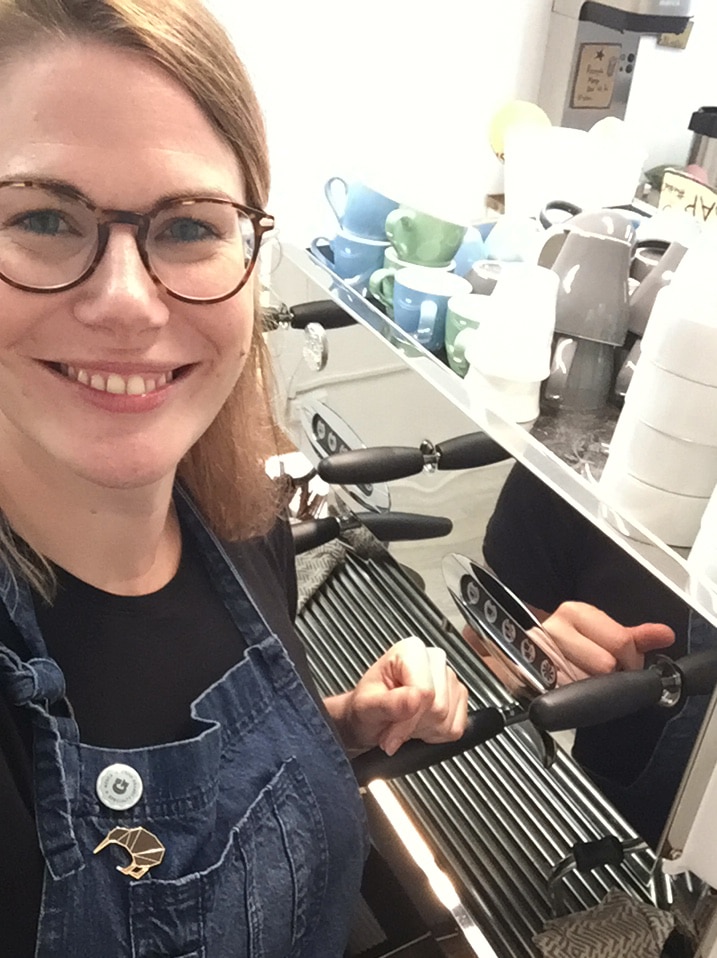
267 565
535 542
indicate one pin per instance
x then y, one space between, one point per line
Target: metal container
703 151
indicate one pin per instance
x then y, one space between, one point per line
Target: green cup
421 239
391 260
463 314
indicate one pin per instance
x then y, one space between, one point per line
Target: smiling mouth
135 384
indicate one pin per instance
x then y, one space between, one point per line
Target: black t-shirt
547 553
132 665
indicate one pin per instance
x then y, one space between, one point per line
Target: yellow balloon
514 113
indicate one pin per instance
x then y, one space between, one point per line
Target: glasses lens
47 239
199 248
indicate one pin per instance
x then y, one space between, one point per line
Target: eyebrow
64 186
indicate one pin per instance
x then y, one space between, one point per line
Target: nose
121 294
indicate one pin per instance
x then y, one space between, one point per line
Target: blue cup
353 258
358 208
420 301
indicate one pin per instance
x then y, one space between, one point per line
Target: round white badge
119 787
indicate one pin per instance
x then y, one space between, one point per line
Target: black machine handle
415 755
377 464
470 452
594 700
383 463
324 311
388 527
601 698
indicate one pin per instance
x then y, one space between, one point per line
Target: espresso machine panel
592 52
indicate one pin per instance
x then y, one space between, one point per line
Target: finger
591 639
651 635
402 708
451 724
410 664
437 661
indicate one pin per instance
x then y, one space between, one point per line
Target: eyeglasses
199 249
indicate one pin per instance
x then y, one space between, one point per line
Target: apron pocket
262 898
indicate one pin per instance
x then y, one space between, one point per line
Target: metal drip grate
495 818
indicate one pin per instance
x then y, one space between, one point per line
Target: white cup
673 405
513 341
657 459
678 341
672 518
514 401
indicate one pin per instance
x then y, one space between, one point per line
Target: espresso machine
592 52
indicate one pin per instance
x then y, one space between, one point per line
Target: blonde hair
225 469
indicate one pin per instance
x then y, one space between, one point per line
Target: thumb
651 635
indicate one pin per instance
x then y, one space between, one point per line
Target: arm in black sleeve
535 542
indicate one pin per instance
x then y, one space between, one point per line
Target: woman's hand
581 641
589 642
410 692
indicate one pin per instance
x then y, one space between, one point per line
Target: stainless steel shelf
667 564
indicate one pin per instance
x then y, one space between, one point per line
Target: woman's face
113 126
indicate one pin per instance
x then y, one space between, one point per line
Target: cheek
233 332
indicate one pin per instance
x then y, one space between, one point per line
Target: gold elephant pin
145 849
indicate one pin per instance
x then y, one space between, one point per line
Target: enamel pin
145 849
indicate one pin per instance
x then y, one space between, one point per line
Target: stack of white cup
509 353
702 560
662 466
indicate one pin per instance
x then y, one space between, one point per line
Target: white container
678 341
672 518
560 163
660 460
514 338
673 405
514 401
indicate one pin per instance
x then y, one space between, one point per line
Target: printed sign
595 76
680 191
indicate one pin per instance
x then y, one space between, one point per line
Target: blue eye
43 223
187 230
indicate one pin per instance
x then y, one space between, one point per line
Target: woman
168 785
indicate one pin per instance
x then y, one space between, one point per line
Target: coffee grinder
592 51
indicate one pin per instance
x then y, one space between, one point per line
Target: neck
125 541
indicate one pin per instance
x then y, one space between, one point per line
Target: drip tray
496 819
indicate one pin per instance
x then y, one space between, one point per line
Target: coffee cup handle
380 285
318 253
426 321
463 338
563 206
400 217
332 187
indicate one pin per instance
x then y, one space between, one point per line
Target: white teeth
116 385
134 385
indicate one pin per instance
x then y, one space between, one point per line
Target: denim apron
649 798
259 813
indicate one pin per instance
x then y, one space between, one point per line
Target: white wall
400 93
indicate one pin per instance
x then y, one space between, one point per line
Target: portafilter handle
415 755
324 311
602 698
384 463
387 526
